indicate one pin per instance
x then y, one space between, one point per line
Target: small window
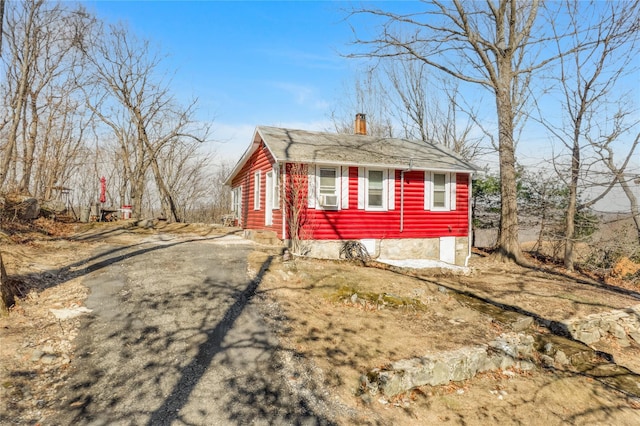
439 191
375 189
256 191
328 191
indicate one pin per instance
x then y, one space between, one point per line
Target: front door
268 208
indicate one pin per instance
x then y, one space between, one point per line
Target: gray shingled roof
302 146
332 148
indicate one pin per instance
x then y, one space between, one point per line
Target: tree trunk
169 209
19 97
508 244
137 189
6 292
570 230
634 205
27 164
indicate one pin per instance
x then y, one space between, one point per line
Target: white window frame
337 188
449 191
256 190
385 195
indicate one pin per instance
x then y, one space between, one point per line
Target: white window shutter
453 184
276 186
311 185
257 189
240 213
427 190
391 181
361 188
345 187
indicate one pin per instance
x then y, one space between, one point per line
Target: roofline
439 147
396 166
253 147
400 166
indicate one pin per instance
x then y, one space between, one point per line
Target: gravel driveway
175 337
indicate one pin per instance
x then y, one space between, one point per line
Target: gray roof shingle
302 146
333 148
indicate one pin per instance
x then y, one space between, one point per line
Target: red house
403 199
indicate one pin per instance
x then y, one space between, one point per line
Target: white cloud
302 58
300 93
303 95
231 140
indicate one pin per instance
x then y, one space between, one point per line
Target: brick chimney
361 124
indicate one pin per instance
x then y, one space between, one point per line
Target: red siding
255 219
354 223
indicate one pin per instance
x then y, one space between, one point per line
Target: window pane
375 179
328 181
439 190
438 199
375 188
375 200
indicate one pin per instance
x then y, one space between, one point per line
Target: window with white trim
439 196
328 187
439 191
256 190
376 190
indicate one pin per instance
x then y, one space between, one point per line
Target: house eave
395 166
251 149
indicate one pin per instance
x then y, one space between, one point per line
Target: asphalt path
175 337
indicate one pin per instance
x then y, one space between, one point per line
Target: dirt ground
342 320
347 336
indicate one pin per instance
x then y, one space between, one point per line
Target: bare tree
605 150
415 96
22 23
132 99
603 46
187 174
220 196
402 100
490 44
295 196
2 7
39 92
364 95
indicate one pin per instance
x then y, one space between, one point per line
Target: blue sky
248 63
265 63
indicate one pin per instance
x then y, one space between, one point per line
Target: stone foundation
393 249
